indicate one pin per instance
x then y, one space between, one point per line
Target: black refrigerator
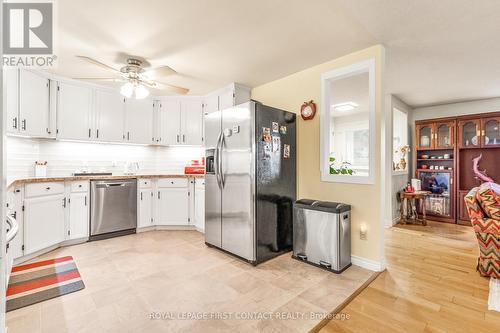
250 180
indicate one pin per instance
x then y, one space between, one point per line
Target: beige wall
289 93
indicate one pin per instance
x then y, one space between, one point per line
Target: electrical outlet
362 232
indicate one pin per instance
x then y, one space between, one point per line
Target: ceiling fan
136 79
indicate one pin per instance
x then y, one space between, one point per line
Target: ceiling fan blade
101 79
158 72
98 63
166 87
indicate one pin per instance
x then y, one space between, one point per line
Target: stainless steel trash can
322 234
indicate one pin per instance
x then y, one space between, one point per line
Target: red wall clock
308 110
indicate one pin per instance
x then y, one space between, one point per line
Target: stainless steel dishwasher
113 208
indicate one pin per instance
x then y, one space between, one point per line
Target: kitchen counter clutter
56 211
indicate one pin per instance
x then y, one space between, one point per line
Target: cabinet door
490 132
43 222
11 95
192 122
155 139
78 215
15 199
110 115
226 99
469 133
199 208
145 208
444 137
425 136
170 119
139 120
173 206
33 104
74 112
211 104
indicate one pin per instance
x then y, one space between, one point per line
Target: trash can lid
324 206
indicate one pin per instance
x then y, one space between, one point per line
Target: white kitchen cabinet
173 202
43 222
78 215
11 96
139 121
75 119
170 122
110 115
227 97
34 108
199 204
192 122
145 218
181 121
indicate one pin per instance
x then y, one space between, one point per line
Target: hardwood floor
430 285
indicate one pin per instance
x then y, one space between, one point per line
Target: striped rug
42 280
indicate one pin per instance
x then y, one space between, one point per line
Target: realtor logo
28 39
27 28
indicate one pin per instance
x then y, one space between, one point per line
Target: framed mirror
348 124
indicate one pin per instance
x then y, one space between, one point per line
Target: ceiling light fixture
134 87
343 107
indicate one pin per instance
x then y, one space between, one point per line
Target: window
400 146
347 124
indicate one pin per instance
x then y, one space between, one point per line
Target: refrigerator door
238 180
213 194
275 180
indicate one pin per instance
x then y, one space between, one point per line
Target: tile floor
171 274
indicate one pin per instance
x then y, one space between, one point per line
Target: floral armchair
483 206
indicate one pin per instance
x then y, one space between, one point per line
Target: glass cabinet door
444 135
425 136
491 132
469 133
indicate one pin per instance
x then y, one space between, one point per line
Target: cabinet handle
97 133
177 138
47 188
23 125
89 132
64 202
158 194
183 138
85 200
128 136
14 125
141 196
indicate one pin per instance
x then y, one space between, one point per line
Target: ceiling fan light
141 92
127 90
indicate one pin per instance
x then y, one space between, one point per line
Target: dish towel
494 298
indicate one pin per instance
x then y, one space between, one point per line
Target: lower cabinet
78 215
145 211
199 204
43 222
173 206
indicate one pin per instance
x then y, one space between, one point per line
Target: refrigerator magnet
266 134
286 151
283 129
276 143
276 127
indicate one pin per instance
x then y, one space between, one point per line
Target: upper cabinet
139 121
436 135
75 119
28 104
181 121
479 132
109 115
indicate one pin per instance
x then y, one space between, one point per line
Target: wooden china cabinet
444 151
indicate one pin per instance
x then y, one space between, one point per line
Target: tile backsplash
64 158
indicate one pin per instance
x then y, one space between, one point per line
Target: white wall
456 109
65 158
398 180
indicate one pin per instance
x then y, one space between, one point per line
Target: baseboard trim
372 265
175 227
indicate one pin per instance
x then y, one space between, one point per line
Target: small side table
411 213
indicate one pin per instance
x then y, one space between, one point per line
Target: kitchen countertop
32 180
